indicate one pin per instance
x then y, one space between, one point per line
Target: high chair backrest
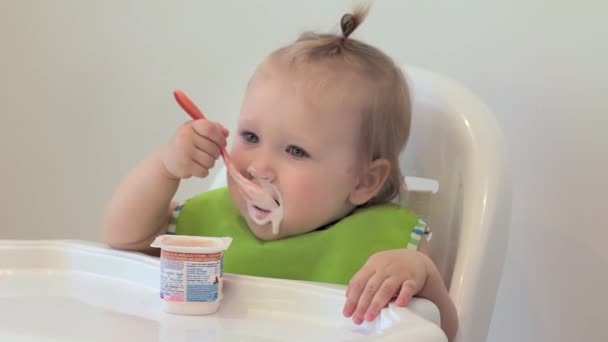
456 141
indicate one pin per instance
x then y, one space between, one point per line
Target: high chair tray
83 291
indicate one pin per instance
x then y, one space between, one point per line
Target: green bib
331 255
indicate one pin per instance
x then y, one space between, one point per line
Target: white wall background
85 92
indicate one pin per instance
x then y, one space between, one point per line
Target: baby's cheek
234 193
300 194
311 197
240 158
303 191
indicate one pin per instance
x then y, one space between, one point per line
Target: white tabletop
81 291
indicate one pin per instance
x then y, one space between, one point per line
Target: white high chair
456 140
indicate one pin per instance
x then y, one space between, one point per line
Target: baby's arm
435 290
140 208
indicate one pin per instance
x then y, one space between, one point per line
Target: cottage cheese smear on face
261 215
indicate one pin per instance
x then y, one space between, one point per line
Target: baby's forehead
320 103
324 88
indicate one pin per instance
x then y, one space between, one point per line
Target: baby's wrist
433 279
162 166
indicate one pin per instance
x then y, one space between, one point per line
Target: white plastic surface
456 140
75 291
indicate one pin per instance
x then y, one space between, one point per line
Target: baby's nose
257 172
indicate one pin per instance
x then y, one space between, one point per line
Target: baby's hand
193 149
399 272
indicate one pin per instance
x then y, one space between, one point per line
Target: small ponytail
350 22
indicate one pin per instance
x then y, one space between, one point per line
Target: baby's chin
264 231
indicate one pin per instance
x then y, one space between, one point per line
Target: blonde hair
385 104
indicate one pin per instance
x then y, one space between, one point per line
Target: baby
323 121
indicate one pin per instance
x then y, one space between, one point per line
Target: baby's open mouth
260 209
263 212
262 215
267 210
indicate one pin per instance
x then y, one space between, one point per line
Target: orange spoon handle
195 113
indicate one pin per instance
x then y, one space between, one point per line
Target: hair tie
348 24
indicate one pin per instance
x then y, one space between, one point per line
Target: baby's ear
370 182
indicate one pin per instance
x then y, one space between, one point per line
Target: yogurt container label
191 272
190 277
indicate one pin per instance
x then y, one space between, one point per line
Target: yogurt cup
191 273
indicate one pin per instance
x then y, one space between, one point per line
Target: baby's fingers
225 131
207 145
355 288
408 290
386 292
368 294
210 130
203 158
199 170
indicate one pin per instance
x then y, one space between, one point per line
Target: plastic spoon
252 191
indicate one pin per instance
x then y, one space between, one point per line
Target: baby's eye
250 137
296 151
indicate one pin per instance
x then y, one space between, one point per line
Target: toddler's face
309 151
